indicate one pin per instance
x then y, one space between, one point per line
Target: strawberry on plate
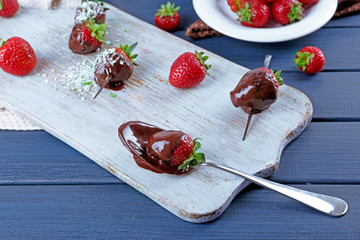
188 70
235 5
8 7
287 11
254 13
310 60
308 2
17 56
167 17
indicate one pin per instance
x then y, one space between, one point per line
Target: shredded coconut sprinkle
87 10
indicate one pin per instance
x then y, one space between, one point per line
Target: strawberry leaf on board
167 10
303 59
295 13
195 158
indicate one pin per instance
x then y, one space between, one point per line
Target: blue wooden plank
324 153
120 212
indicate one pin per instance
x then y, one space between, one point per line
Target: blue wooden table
50 191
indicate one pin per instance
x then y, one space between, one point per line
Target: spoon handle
332 206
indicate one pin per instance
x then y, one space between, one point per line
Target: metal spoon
332 206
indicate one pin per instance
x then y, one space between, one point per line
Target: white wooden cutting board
205 111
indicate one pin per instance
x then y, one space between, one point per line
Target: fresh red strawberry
126 50
17 56
307 2
93 33
188 70
235 5
8 7
269 0
167 17
254 13
287 11
310 60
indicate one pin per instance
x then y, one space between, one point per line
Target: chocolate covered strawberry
257 90
114 66
90 9
287 11
167 17
17 56
87 37
188 70
254 13
175 148
310 60
8 7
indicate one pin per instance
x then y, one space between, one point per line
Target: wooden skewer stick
102 87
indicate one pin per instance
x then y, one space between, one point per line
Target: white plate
218 15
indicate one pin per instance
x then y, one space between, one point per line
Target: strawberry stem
295 13
128 49
1 5
202 58
195 157
278 77
245 13
303 59
97 30
167 10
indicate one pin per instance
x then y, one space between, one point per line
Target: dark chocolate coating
113 72
77 44
256 91
136 137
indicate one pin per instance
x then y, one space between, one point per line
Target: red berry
17 56
167 17
235 5
126 51
8 7
310 60
254 13
183 152
307 2
287 11
188 70
275 77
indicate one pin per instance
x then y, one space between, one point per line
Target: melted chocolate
113 71
77 44
256 91
141 140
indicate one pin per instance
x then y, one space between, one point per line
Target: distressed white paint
204 111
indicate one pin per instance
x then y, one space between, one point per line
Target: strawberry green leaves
296 12
303 59
278 77
195 157
202 58
167 10
1 5
97 30
245 13
128 51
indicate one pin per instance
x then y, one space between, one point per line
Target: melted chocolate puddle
135 136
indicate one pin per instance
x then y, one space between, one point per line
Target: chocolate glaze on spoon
141 140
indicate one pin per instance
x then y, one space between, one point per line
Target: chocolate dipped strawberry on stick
257 90
114 66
